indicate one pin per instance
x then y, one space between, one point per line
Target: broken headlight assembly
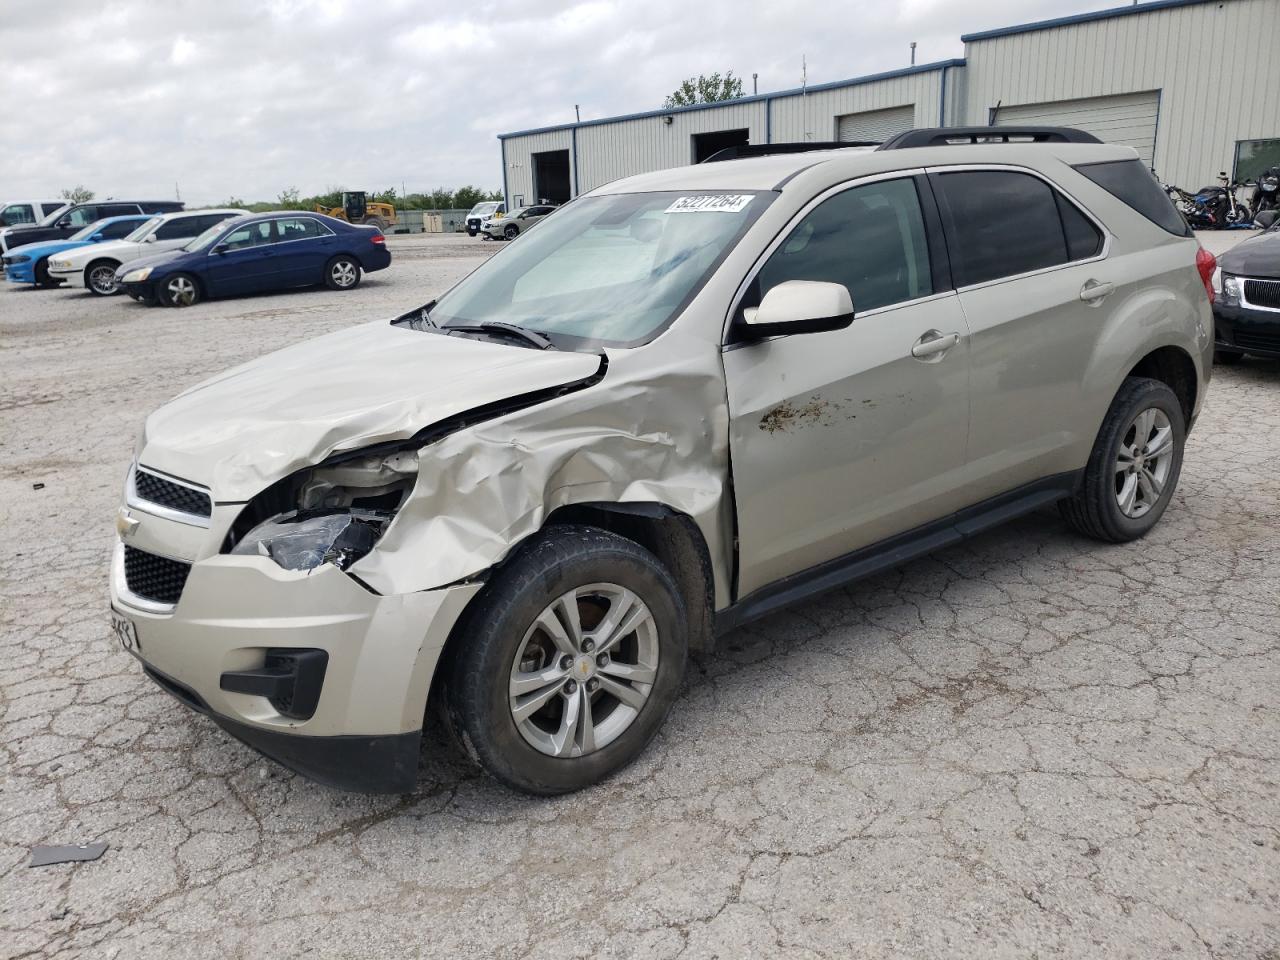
331 513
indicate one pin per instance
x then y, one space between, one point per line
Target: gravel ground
1031 745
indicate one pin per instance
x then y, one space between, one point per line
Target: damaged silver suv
688 399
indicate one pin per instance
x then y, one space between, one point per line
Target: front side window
1001 223
82 216
250 235
871 239
118 230
605 270
300 228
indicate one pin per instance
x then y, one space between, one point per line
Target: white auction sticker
719 203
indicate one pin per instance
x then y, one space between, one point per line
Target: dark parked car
265 251
63 223
1246 310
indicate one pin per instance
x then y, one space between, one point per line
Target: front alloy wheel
102 279
584 670
180 290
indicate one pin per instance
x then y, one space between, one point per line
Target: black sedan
1246 309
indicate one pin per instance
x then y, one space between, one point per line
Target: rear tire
342 273
583 634
375 222
1134 467
179 290
1227 357
100 278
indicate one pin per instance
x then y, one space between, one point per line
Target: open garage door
551 177
1128 119
877 125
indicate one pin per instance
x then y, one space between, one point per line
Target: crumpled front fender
655 429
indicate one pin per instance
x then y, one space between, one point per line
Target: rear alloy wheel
180 290
511 231
342 273
1134 466
100 278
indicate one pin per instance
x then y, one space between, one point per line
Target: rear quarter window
1136 186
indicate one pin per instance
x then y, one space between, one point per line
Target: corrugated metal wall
609 151
1216 65
813 117
519 160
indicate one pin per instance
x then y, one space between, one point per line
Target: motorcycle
1212 208
1268 195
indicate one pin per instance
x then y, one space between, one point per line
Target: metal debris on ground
42 856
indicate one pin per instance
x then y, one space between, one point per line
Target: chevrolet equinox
688 399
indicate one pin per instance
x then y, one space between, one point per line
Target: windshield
610 270
143 229
206 238
482 209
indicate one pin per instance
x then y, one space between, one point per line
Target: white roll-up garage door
1128 119
877 125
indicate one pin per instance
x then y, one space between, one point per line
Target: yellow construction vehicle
356 208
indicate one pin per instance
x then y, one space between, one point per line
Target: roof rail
745 150
947 136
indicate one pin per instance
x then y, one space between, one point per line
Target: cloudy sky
246 98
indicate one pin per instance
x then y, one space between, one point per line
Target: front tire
43 279
572 658
342 273
375 222
100 278
180 290
1134 467
511 231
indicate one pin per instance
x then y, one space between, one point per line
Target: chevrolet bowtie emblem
126 523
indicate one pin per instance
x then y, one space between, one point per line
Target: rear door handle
932 343
1095 290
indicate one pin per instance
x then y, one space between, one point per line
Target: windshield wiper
531 337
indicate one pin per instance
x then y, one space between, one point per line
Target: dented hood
248 427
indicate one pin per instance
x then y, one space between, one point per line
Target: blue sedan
29 263
259 252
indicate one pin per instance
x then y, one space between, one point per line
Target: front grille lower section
1263 293
156 489
154 578
1257 341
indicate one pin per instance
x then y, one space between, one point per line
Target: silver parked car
689 399
516 222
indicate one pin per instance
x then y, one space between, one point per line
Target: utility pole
913 53
755 86
577 114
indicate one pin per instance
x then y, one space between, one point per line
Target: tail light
380 240
1206 263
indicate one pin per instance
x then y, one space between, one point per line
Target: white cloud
246 98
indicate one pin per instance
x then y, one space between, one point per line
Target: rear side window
1131 182
1001 224
869 238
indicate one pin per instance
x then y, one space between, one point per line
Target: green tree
235 203
467 197
289 199
78 194
705 88
384 196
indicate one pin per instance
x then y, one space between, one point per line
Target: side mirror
800 306
221 248
1267 219
150 239
96 238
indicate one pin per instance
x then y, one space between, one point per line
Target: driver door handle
1095 290
932 343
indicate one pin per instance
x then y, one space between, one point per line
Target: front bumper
70 275
1247 329
20 272
382 653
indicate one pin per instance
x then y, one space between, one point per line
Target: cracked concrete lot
1031 745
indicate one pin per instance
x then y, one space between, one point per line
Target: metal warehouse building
1190 84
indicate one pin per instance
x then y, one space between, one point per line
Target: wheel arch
98 261
1173 367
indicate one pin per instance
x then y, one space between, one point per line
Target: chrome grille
1263 293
